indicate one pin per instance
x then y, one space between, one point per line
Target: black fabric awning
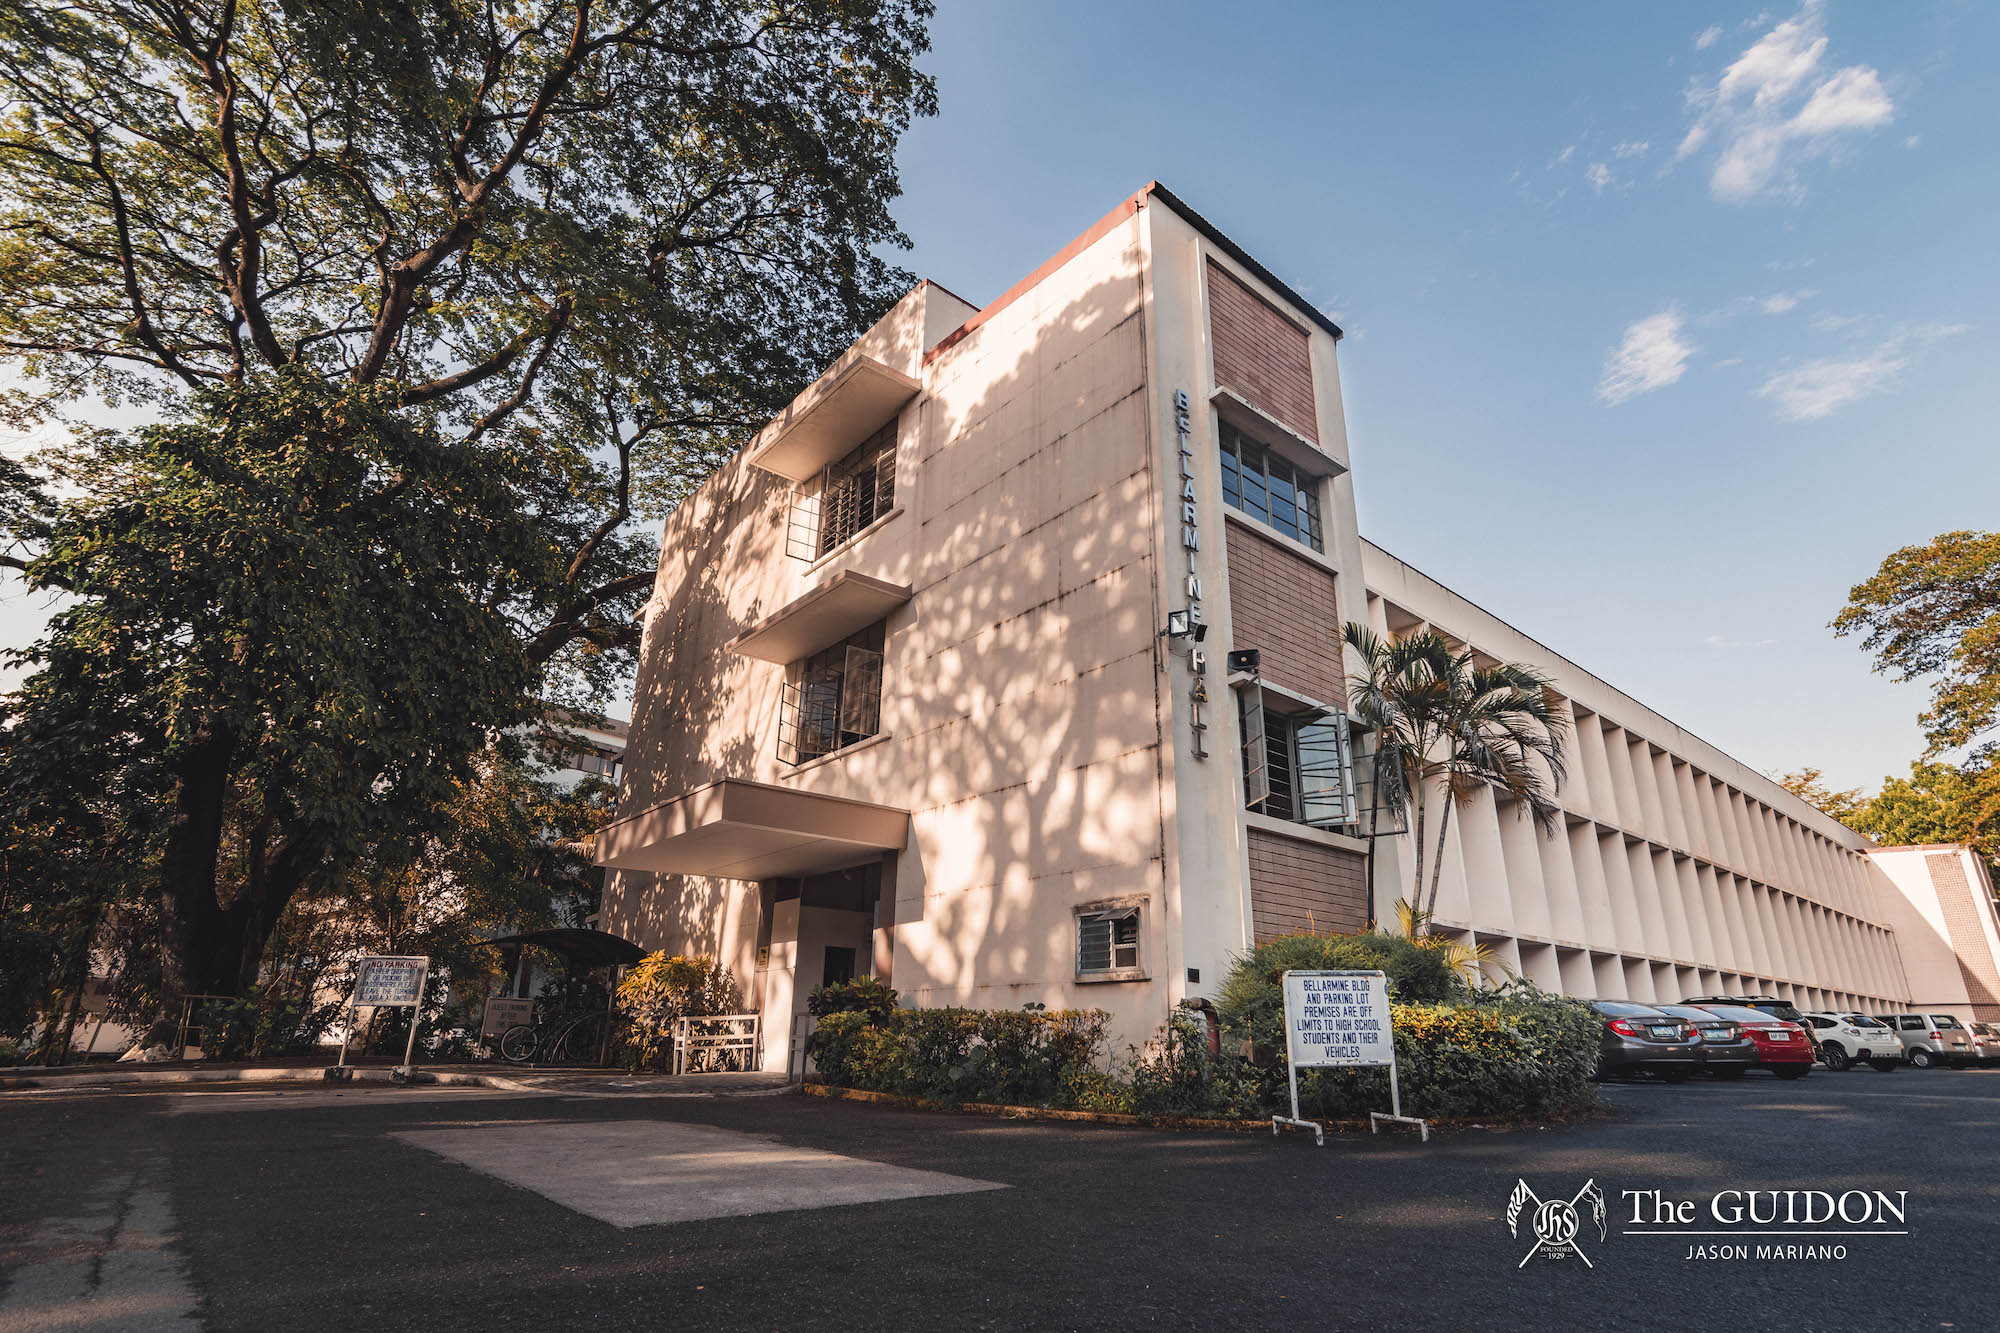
584 948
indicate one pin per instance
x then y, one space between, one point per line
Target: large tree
1933 612
464 288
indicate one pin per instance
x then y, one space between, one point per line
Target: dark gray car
1639 1038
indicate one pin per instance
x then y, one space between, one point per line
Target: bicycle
575 1036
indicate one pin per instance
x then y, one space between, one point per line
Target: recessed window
1298 764
1107 942
833 699
850 494
1270 490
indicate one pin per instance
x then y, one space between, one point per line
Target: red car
1782 1047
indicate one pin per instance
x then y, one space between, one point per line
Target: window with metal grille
848 496
833 699
1297 765
1261 484
1107 940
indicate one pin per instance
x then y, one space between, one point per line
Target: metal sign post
383 982
1340 1020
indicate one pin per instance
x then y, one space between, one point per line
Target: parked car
1986 1042
1640 1038
1726 1049
1934 1039
1846 1040
1782 1047
1769 1004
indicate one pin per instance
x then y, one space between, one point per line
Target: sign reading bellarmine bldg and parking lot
1338 1019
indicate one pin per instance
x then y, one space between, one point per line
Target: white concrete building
935 685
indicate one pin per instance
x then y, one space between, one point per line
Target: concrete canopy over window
836 412
845 603
735 829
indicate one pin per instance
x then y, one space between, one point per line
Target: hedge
1515 1051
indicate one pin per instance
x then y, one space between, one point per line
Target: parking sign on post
1337 1020
384 982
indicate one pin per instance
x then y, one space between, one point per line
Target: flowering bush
660 989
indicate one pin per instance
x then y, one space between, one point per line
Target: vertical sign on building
1191 544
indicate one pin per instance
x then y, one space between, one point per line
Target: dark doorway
839 966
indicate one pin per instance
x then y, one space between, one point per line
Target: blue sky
1665 324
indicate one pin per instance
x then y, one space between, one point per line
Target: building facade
1005 665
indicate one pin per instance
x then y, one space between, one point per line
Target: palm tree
1445 726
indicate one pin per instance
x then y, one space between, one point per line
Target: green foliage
1013 1057
661 989
250 1026
1809 785
1177 1076
862 995
1933 611
1252 1001
429 312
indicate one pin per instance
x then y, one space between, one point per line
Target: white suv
1846 1040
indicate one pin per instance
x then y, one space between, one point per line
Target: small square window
1107 943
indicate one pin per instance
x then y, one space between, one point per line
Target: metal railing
717 1043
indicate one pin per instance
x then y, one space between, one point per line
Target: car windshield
1689 1011
1864 1021
1944 1020
1737 1013
1624 1009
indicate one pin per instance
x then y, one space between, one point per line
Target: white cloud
1776 105
1728 361
1913 141
1706 38
1651 356
1834 323
1562 157
1630 148
1822 387
1781 303
1599 176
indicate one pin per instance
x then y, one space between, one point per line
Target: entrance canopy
736 829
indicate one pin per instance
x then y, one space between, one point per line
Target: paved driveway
466 1209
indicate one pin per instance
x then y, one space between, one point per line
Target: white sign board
502 1014
390 981
1338 1019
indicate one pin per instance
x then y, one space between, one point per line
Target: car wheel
1886 1066
1797 1072
1836 1059
1921 1058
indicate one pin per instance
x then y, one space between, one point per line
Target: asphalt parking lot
462 1209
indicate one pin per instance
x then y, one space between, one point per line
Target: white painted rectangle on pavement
1338 1019
634 1173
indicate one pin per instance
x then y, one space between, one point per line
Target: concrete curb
542 1086
1127 1121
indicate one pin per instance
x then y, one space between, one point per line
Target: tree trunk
1417 872
193 933
1437 861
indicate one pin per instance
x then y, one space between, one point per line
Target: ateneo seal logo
1556 1223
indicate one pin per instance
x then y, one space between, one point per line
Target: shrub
661 989
1177 1075
1252 1002
863 995
248 1026
1015 1057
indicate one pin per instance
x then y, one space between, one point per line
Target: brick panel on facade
1968 937
1297 885
1261 354
1284 605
